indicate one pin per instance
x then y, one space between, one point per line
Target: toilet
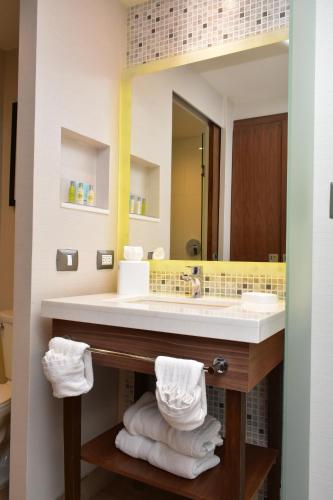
6 333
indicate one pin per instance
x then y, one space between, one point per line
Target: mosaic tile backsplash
164 28
219 284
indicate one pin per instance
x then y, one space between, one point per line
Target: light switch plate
105 259
273 257
67 260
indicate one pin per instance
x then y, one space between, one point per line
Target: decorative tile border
164 28
218 284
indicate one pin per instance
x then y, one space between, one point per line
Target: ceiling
185 124
9 24
254 76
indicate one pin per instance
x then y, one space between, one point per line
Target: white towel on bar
144 418
68 366
181 392
163 457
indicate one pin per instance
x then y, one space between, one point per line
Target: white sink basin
201 302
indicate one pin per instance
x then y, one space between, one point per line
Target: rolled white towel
144 418
163 457
68 366
181 392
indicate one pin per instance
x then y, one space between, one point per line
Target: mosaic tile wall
218 284
163 28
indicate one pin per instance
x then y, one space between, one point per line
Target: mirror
209 158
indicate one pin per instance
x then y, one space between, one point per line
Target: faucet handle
196 270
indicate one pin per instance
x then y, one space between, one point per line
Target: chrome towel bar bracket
218 367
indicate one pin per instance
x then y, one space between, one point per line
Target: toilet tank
6 332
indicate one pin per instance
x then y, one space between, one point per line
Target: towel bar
218 367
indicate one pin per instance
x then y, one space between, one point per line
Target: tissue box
133 278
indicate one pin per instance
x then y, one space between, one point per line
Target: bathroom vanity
130 333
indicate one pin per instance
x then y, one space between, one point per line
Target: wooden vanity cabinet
243 467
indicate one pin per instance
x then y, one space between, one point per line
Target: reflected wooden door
213 191
258 204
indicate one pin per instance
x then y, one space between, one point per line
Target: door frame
214 174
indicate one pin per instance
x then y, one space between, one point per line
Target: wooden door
213 191
258 204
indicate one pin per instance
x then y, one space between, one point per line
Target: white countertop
210 317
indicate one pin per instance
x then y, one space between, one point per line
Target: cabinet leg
72 447
275 417
235 432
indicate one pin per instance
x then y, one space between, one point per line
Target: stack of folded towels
172 431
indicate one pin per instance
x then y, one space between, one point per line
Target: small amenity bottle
144 206
91 195
72 192
80 194
139 205
132 204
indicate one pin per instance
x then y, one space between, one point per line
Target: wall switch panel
273 257
105 259
67 260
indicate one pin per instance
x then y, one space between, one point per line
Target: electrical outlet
105 259
67 260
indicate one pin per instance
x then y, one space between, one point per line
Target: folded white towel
144 418
163 457
181 392
68 366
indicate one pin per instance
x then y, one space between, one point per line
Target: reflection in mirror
208 158
189 183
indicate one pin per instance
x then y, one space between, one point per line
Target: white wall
7 213
260 108
71 57
152 106
321 403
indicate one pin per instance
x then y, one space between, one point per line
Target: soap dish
259 302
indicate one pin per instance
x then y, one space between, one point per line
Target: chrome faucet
195 277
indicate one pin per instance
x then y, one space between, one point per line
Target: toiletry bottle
132 204
80 194
86 188
139 205
72 192
91 195
144 206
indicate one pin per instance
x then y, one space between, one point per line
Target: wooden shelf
211 485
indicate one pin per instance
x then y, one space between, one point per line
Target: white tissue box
133 278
